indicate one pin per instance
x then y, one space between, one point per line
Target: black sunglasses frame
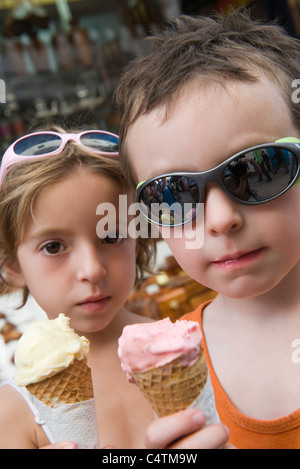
216 175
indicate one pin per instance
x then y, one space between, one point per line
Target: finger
62 445
162 432
229 446
212 437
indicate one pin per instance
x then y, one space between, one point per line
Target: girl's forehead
73 198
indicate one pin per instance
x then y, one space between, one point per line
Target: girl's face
67 267
247 250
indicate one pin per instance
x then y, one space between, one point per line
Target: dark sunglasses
254 176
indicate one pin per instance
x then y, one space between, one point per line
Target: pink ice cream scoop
145 346
167 363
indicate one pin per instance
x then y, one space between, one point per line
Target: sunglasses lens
38 144
260 175
101 142
170 201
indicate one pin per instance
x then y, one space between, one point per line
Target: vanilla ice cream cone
74 384
51 362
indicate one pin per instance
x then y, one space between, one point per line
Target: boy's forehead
207 124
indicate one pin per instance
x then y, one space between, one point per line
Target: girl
50 248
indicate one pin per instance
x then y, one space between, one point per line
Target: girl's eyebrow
48 233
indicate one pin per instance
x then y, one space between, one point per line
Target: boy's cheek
185 257
185 238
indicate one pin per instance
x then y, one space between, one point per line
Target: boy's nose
91 266
222 214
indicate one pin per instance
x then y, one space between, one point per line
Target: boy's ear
14 275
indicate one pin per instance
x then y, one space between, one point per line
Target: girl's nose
223 215
91 265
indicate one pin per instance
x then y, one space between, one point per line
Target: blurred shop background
60 61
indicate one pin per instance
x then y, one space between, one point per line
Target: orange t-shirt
246 432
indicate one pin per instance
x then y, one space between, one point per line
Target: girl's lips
92 304
238 259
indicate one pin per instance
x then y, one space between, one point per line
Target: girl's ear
14 275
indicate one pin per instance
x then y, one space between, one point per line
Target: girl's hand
184 430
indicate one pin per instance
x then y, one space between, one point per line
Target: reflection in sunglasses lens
37 145
101 142
260 175
171 200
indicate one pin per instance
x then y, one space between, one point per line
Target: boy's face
247 249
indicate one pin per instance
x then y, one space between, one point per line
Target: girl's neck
107 338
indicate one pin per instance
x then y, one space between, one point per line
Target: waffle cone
74 384
173 387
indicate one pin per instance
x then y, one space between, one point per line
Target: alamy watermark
296 93
2 91
129 221
296 353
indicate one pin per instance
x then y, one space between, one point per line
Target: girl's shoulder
18 429
11 402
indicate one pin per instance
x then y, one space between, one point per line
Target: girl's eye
53 248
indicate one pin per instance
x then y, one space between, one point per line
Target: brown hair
24 182
220 48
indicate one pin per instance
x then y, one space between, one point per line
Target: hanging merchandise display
62 59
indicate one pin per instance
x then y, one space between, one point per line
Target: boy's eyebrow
155 174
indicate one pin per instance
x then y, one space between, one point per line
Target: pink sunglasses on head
48 143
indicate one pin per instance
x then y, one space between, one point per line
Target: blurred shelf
170 293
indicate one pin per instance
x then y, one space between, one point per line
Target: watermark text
296 93
2 91
130 220
296 353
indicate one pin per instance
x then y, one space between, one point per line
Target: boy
210 89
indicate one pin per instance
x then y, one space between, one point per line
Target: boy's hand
184 430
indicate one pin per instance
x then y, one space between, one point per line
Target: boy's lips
238 259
